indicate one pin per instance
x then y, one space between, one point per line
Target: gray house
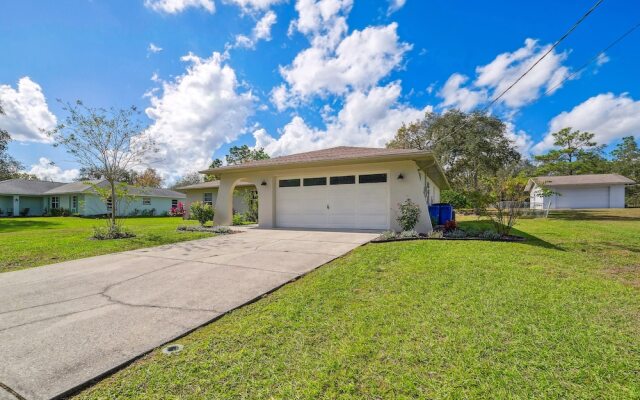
36 198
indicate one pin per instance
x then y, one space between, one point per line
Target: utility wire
563 37
555 44
594 58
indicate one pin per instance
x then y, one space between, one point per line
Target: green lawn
30 242
555 317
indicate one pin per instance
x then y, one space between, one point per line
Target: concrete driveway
64 324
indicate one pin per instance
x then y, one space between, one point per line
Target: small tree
409 215
202 212
107 141
507 196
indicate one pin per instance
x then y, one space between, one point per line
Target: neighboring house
34 198
341 188
207 192
578 191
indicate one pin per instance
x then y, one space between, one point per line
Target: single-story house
207 192
36 198
336 188
578 191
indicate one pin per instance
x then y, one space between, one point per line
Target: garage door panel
595 197
347 205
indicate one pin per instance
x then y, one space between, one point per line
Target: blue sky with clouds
300 75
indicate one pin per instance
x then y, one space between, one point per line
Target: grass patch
30 242
427 319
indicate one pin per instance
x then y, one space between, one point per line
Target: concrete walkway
64 324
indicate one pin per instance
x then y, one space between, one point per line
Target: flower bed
219 230
441 234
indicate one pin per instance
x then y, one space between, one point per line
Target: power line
594 58
563 37
555 44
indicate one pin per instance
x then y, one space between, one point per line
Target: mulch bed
507 238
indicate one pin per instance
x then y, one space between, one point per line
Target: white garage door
593 197
336 201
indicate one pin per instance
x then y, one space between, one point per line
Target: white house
578 191
336 188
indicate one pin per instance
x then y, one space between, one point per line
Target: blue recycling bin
434 213
445 213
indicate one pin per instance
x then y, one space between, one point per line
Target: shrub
450 226
221 230
115 231
408 234
436 234
387 235
239 219
177 211
456 234
202 212
409 215
134 213
490 235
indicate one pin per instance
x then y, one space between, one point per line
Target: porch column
16 205
224 202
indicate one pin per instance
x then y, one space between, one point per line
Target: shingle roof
331 154
593 179
209 185
26 187
80 187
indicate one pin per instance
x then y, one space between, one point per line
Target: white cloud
177 6
26 111
319 17
521 139
47 170
359 61
252 5
395 5
196 113
505 69
153 48
606 115
499 74
456 96
261 31
366 119
602 59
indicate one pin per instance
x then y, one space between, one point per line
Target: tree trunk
113 204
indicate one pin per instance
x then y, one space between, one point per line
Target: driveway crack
11 391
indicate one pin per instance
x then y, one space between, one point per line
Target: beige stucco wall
239 205
412 186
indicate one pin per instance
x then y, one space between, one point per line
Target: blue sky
301 75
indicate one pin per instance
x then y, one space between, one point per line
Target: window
109 203
314 181
74 203
289 183
55 202
207 198
372 178
343 180
146 201
174 203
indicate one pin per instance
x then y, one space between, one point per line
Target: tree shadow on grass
623 214
531 240
16 224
